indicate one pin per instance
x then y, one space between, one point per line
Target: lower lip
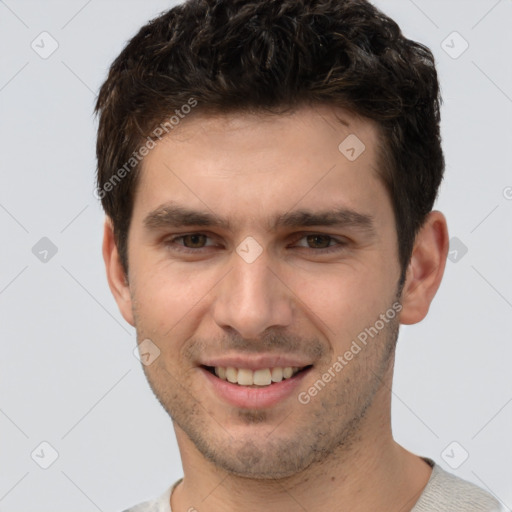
254 398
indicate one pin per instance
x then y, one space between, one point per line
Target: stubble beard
325 429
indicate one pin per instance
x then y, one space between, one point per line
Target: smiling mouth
258 378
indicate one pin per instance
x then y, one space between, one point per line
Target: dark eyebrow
173 215
337 217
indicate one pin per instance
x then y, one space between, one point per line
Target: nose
252 298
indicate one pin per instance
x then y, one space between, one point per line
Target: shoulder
160 504
445 491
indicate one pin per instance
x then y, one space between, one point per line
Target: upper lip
256 362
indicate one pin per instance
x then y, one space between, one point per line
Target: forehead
319 125
239 159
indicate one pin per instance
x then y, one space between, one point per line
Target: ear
117 279
425 269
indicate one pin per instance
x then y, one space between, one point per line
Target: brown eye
321 243
189 243
194 241
319 240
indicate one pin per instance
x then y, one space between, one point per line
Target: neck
372 472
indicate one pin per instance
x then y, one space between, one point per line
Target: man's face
295 291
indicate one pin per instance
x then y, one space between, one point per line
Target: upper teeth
263 377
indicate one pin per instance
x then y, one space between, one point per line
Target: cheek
164 296
343 298
340 298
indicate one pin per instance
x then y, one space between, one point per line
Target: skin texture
293 299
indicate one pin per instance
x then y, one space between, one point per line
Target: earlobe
426 268
116 276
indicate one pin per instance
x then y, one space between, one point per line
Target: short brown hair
268 56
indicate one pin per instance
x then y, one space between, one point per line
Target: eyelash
339 246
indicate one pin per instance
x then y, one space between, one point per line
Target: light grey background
68 374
